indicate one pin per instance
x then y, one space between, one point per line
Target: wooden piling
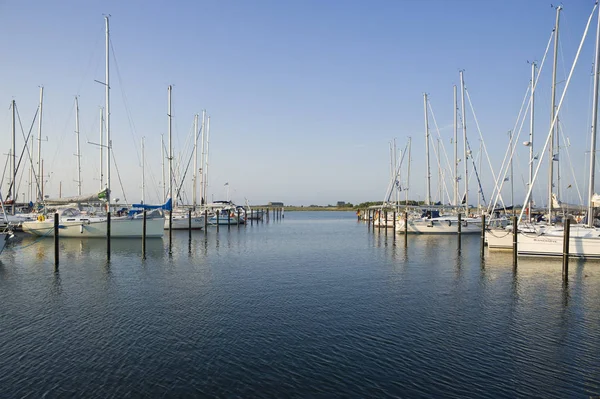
218 214
482 236
56 257
515 235
228 220
238 218
108 235
386 221
405 223
459 231
170 232
205 220
190 223
144 213
567 235
251 216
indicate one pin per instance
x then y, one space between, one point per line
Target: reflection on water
313 305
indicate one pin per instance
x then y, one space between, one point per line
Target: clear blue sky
304 96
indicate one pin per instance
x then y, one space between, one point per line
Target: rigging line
566 146
528 196
476 174
114 159
438 156
189 161
26 147
126 103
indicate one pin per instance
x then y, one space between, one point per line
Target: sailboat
584 240
73 222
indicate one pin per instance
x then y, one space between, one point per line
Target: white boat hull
96 228
439 226
583 242
183 222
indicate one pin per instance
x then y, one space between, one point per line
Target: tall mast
531 114
590 218
162 164
78 155
466 154
408 173
170 149
428 194
552 111
194 199
207 148
108 142
455 148
39 149
143 172
439 193
101 148
202 155
13 159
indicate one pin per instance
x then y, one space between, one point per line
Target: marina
250 312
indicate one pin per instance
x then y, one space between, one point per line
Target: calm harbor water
314 305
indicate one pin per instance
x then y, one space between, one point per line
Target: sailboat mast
78 155
13 159
143 172
533 66
170 148
455 147
408 173
162 165
101 148
202 189
428 193
590 218
207 153
194 198
39 149
466 154
107 91
552 112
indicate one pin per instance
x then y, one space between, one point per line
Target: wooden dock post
205 220
144 236
218 213
228 220
170 232
567 235
56 257
108 235
459 230
190 223
251 216
405 223
238 218
482 236
386 221
515 235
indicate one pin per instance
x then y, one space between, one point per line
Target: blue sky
304 96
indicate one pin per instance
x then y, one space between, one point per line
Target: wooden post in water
515 249
251 216
171 232
56 241
205 220
459 230
238 218
144 236
218 214
190 223
567 235
228 220
386 221
405 223
394 224
108 235
482 236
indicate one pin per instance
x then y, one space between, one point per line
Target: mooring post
386 221
170 232
567 235
251 216
205 220
56 241
482 236
190 222
144 235
228 220
459 230
218 213
405 223
394 224
108 235
238 218
515 232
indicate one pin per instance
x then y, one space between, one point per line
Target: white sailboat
584 241
73 222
